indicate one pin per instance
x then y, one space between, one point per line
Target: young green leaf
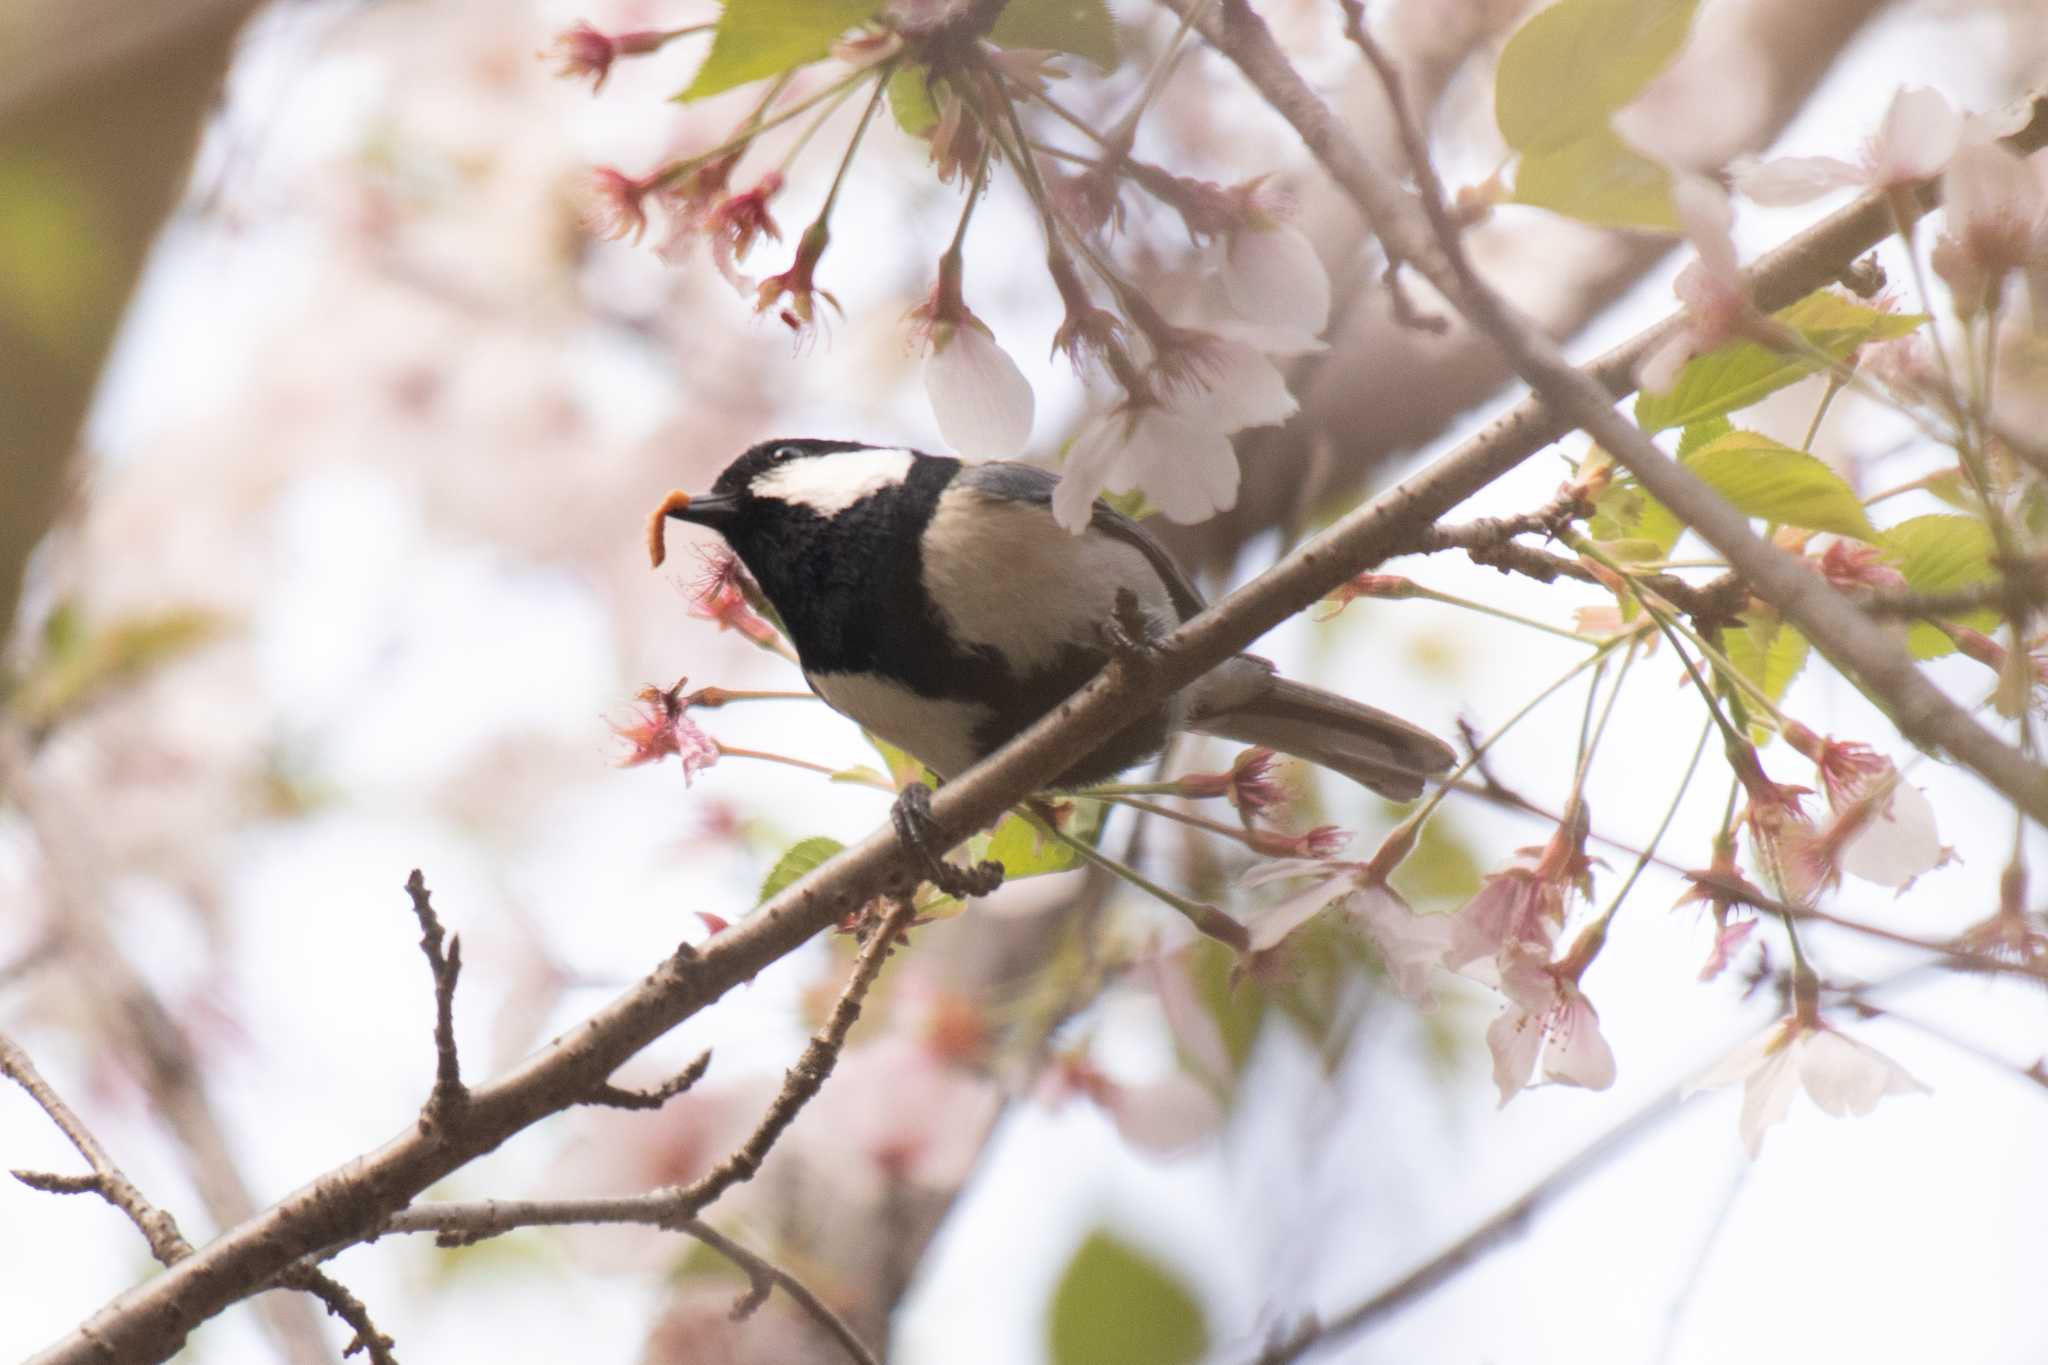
1115 1305
1742 373
1764 478
910 100
1082 27
1941 553
1565 72
757 38
800 858
1767 652
1598 179
1625 511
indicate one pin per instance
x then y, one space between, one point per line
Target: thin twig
467 1223
1482 1241
763 1273
449 1097
618 1097
374 1345
166 1243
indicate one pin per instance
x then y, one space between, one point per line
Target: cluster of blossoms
1996 222
1184 380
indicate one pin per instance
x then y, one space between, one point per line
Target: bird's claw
912 818
1127 635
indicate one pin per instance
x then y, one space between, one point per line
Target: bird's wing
1029 483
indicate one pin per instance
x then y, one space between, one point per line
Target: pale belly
940 732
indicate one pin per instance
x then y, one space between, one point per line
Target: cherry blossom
1997 224
1188 471
1519 909
1164 1117
1548 1028
1913 142
580 50
1257 783
1844 1077
618 203
734 226
718 597
664 728
800 312
1715 296
1410 946
1883 828
982 401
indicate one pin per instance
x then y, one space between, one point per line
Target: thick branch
353 1201
1421 235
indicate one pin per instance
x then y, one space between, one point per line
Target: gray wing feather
1029 483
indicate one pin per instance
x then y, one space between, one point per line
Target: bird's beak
715 510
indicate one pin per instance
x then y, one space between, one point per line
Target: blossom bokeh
349 578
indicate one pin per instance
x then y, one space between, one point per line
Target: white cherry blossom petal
1897 844
1273 275
1767 1096
982 401
1167 1116
1846 1078
1915 139
1240 388
1789 180
1577 1053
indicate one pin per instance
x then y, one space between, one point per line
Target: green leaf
802 857
1764 478
757 38
1565 72
1767 652
80 662
1599 180
1742 373
1114 1305
1625 512
1702 433
1017 845
903 769
1131 504
1082 27
1941 553
910 100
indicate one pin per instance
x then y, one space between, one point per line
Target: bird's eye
788 452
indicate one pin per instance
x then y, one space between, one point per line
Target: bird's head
774 478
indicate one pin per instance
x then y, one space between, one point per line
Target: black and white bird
939 605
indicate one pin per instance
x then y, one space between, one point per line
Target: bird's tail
1246 701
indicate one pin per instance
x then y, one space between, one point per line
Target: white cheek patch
829 484
1004 574
940 732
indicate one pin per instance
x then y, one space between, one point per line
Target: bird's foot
912 818
1128 636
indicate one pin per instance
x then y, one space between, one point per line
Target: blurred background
328 447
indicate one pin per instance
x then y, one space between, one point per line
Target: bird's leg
1130 638
915 828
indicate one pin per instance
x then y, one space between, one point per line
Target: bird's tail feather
1364 743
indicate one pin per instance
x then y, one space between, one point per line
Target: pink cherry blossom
1548 1027
1715 296
664 728
1521 908
618 207
581 50
1844 1077
1997 224
1410 946
1914 141
1883 829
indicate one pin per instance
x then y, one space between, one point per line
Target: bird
940 605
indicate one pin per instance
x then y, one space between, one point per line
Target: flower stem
1206 918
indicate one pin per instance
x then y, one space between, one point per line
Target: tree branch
1422 234
158 1228
355 1200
